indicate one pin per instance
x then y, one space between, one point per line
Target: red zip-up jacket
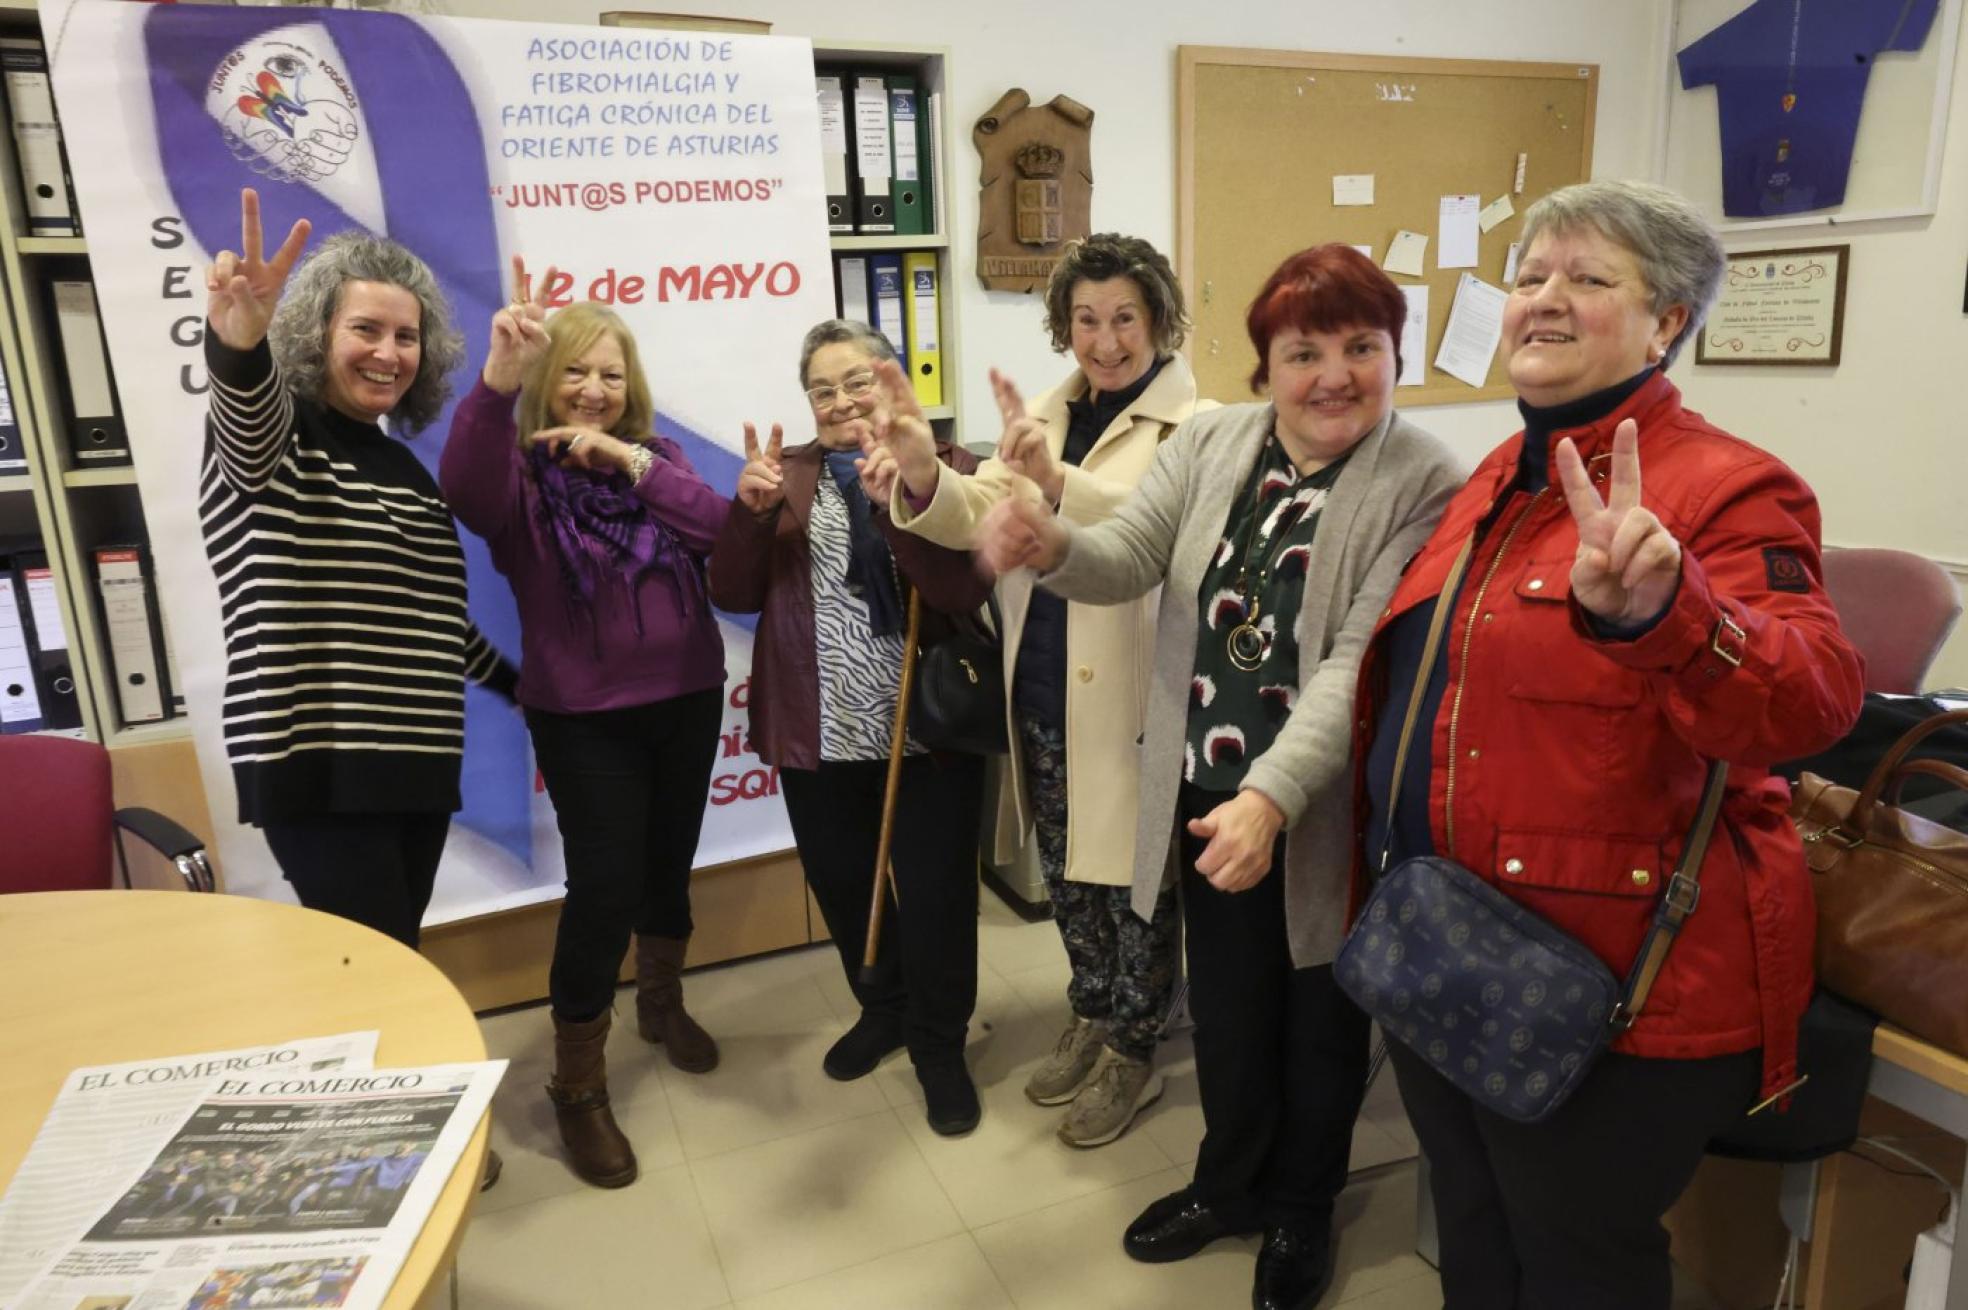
1567 768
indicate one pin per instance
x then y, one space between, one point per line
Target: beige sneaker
1058 1079
1116 1091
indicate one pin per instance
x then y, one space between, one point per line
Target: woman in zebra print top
341 582
813 553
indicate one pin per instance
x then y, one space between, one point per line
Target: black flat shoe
950 1099
1175 1228
861 1048
1294 1268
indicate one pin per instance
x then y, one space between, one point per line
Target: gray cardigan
1379 513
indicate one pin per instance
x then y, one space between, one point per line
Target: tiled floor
767 1185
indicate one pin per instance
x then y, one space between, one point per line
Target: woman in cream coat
1077 675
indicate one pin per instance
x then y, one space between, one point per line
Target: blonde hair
575 330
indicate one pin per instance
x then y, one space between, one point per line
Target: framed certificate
1778 307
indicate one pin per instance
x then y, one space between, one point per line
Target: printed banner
675 176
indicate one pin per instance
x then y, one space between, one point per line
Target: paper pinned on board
1510 263
1405 253
1517 187
1353 189
1469 342
1414 338
1495 212
1365 250
1456 240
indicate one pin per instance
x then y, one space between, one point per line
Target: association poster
675 176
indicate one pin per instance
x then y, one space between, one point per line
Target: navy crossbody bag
1499 1001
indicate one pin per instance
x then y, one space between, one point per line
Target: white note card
1365 250
1469 342
1405 253
1414 338
1495 212
1353 189
1510 263
1456 234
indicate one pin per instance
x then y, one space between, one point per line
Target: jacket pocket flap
1579 862
1545 580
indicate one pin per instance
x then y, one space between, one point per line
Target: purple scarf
598 525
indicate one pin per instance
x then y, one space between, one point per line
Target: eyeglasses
854 387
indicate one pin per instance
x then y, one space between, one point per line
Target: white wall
1879 437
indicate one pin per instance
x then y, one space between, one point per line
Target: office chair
62 827
1897 607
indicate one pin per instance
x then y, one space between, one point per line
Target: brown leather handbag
1892 893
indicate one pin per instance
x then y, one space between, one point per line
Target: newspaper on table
277 1191
108 1117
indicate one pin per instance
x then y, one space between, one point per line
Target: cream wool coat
1109 649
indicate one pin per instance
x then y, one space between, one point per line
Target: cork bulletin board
1262 133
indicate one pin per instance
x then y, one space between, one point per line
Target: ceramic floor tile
950 1274
1069 1256
824 1200
1011 945
1044 989
1376 1221
595 1248
1420 1293
769 1084
1014 1162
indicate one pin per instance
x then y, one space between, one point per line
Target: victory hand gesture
1628 564
245 287
900 428
519 334
761 485
1022 446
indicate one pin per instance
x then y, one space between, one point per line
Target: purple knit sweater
574 661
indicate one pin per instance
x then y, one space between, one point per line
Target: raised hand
1017 533
1022 446
899 427
761 484
1628 564
878 471
519 333
245 287
584 448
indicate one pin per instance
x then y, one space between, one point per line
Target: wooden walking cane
898 745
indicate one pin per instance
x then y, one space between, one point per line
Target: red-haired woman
1287 522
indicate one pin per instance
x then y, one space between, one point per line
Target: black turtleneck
1407 635
1038 686
1540 421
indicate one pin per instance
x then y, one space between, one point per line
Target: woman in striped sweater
341 581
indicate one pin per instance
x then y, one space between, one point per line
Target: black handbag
1834 1064
958 702
1505 1005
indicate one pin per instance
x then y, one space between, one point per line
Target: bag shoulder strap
1677 902
1437 623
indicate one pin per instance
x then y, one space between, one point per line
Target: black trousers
1281 1053
1566 1213
628 789
926 967
377 869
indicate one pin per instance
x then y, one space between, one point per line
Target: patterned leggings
1123 968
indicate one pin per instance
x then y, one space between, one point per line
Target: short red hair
1325 289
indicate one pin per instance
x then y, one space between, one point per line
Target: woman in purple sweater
602 528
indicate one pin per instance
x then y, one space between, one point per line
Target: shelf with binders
83 492
895 266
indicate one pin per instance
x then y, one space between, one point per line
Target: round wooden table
109 976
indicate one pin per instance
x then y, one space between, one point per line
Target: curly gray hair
835 331
298 334
1681 258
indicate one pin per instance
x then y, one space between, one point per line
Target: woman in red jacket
814 555
1609 638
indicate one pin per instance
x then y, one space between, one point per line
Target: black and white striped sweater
342 590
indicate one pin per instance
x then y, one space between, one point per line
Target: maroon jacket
762 565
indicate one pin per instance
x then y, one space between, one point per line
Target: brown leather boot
595 1146
660 1016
